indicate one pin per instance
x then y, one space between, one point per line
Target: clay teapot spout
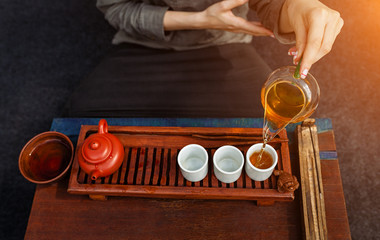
95 174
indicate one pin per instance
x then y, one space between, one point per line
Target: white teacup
193 161
228 163
255 173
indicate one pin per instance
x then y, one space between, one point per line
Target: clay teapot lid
98 147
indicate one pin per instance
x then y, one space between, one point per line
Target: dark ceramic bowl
46 157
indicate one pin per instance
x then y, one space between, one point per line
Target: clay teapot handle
103 126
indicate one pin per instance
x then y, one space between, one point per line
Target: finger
252 28
265 33
331 32
301 35
313 45
292 51
256 33
257 23
230 4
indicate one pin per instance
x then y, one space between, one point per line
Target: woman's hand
316 27
218 16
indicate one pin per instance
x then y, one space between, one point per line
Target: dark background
47 47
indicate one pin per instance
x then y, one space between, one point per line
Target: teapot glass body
288 99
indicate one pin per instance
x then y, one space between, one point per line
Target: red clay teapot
101 153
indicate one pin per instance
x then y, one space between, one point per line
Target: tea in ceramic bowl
46 157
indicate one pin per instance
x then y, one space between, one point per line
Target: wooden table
56 214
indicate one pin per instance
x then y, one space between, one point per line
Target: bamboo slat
313 205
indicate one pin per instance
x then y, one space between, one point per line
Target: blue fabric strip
328 155
71 126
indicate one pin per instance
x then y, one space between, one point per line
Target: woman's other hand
218 16
316 27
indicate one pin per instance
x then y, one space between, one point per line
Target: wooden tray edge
74 187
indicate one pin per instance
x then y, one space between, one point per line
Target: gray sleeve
269 14
135 18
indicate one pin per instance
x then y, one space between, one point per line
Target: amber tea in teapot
283 102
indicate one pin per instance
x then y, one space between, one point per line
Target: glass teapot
286 98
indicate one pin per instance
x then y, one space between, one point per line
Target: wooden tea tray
150 166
